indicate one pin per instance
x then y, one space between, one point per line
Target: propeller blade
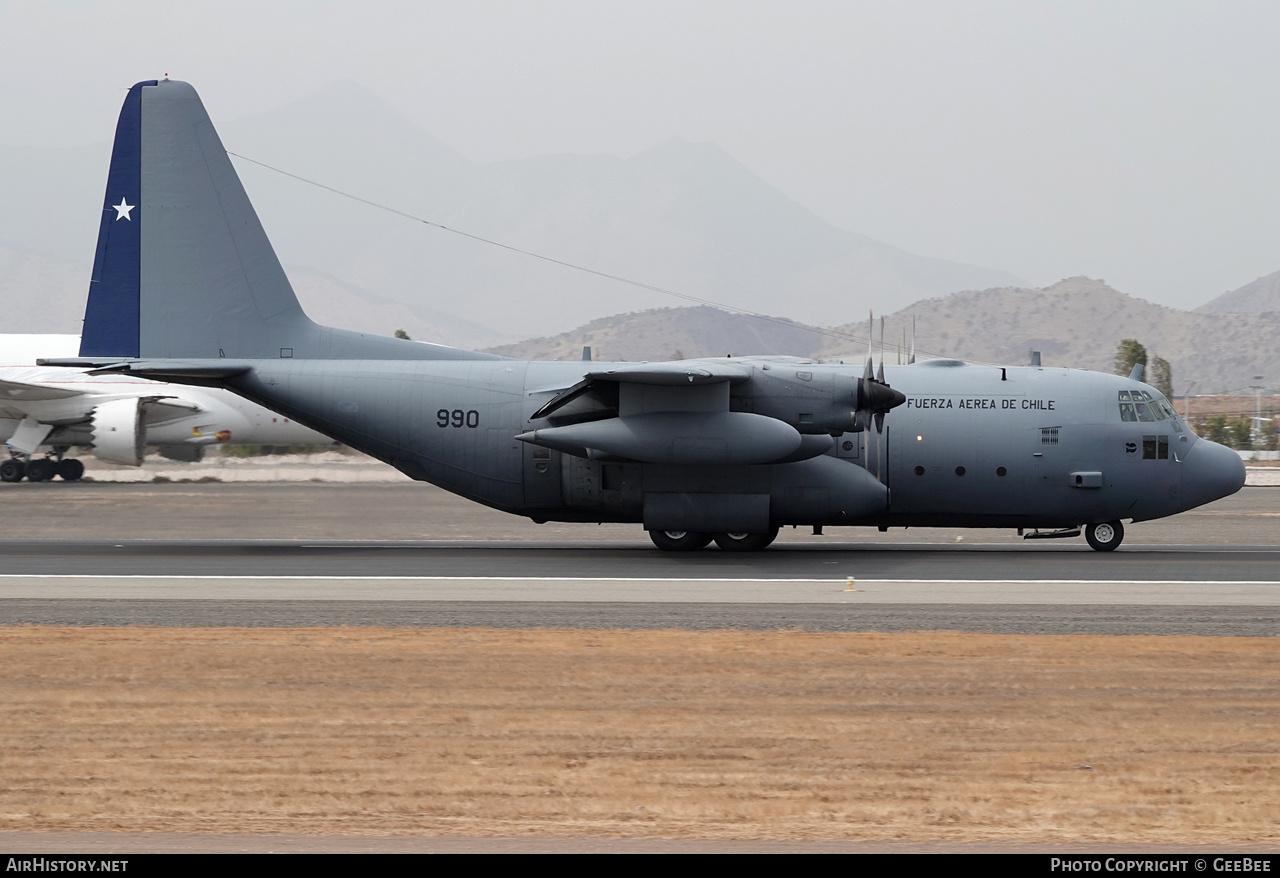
870 369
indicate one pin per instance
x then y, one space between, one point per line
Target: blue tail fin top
111 326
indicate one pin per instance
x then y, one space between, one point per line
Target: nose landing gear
1104 537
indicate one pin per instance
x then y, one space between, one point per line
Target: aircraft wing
21 391
677 373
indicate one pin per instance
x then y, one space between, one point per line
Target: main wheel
40 469
12 470
70 469
742 542
1105 536
679 540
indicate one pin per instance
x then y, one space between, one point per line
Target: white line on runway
717 579
839 590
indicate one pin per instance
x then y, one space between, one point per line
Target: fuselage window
1155 447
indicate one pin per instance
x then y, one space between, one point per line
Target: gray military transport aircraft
186 288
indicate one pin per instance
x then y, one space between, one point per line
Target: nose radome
1210 472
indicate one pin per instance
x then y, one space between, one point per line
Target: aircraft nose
1210 472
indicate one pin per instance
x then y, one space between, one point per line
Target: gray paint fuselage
968 448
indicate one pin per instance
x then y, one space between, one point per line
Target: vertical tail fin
183 266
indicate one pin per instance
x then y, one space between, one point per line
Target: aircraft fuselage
973 446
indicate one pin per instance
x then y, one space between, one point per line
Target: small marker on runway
849 584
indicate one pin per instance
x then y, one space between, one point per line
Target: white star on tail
122 210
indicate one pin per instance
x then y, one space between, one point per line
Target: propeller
874 395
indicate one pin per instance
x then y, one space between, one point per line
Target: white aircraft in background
44 412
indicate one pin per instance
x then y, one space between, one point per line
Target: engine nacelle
811 400
118 436
815 398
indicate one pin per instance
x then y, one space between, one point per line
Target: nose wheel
1104 537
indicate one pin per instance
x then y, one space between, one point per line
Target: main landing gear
1104 537
687 541
40 469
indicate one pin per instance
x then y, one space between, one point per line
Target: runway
1226 583
408 556
909 587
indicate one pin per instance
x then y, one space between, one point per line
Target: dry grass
667 733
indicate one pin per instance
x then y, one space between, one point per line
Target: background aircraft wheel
746 542
40 470
70 469
1104 537
678 540
12 470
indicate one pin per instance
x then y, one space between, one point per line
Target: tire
679 540
738 542
41 469
12 470
1104 537
70 470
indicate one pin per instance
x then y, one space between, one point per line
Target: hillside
1077 323
1257 297
669 334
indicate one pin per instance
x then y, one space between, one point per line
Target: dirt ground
777 735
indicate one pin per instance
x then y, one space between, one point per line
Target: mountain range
1077 322
681 216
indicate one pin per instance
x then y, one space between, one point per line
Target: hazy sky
1131 141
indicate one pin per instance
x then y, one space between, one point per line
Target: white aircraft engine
118 436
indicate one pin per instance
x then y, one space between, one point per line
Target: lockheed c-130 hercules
186 288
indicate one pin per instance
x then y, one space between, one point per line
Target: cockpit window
1139 405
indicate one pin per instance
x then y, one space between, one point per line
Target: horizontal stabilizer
175 370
